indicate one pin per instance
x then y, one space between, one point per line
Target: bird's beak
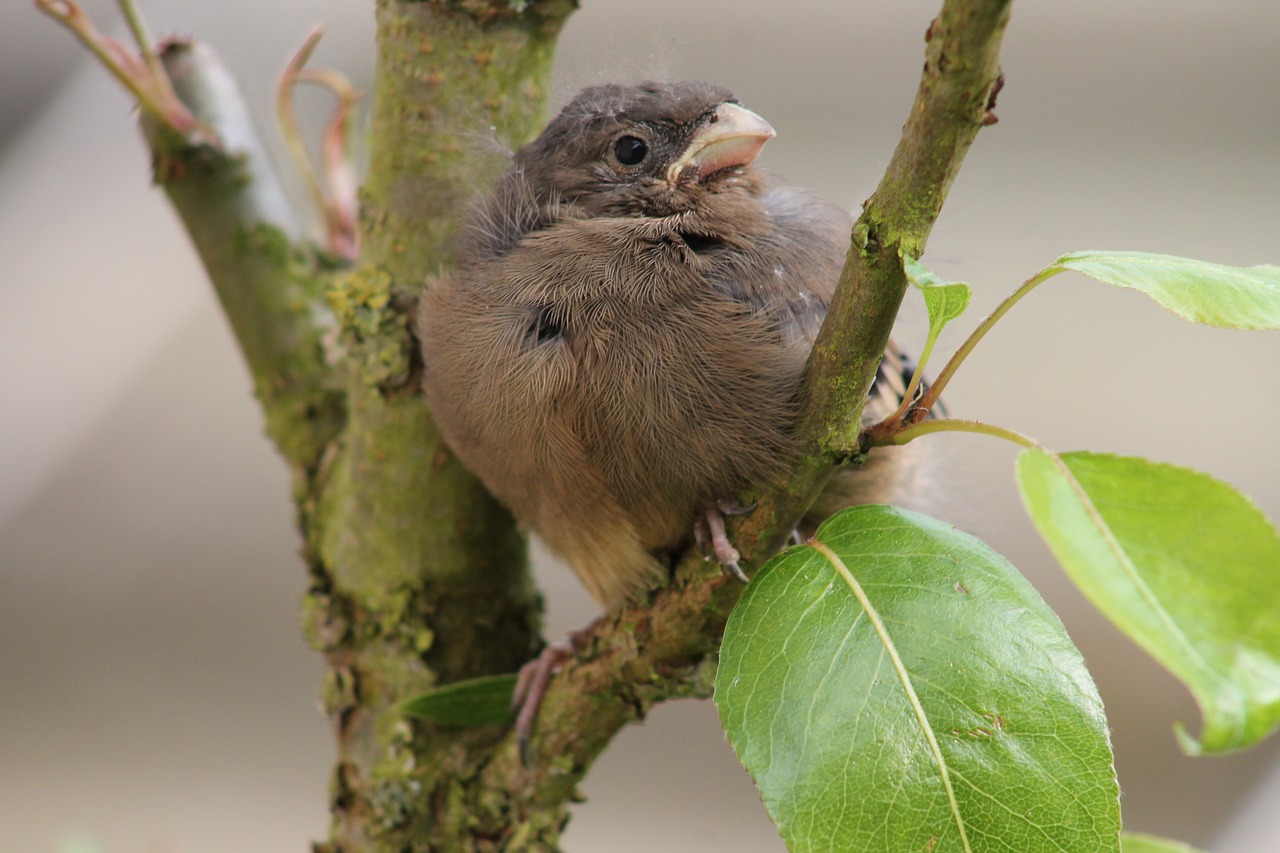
733 137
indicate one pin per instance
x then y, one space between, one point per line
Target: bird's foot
532 681
709 530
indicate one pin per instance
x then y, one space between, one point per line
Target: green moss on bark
424 568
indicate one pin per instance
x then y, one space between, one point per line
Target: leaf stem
144 78
341 184
138 27
287 118
909 397
113 55
935 390
902 436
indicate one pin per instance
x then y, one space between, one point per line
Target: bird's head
652 149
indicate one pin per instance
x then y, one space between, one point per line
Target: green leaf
1182 563
475 702
897 685
1214 294
944 300
1136 842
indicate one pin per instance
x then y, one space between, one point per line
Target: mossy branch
417 576
956 98
234 207
420 577
211 163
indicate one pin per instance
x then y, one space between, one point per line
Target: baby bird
617 352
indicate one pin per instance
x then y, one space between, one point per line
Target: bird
618 349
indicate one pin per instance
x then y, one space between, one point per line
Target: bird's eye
630 150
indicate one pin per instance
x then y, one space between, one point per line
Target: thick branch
664 646
421 577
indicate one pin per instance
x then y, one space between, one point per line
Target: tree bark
421 578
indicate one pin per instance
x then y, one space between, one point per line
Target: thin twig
290 131
144 77
146 47
334 196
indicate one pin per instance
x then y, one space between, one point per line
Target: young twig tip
334 196
142 74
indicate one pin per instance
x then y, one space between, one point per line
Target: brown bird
618 349
617 352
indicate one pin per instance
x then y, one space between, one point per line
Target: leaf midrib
905 678
1149 595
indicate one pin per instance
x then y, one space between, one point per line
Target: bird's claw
531 687
532 682
734 569
729 506
709 528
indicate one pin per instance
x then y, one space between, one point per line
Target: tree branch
212 165
956 97
232 203
665 646
420 577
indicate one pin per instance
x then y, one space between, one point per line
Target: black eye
630 150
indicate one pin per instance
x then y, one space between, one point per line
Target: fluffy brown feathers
620 344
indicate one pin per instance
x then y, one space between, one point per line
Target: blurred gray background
155 694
